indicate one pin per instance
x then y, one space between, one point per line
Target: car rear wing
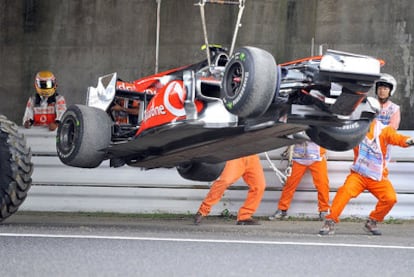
109 87
103 94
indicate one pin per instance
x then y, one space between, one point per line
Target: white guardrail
57 187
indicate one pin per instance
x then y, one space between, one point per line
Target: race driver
46 106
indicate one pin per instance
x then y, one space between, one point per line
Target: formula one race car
230 105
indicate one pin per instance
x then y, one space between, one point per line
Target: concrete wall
80 40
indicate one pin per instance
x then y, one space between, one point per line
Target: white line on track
207 240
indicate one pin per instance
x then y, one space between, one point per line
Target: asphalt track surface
62 244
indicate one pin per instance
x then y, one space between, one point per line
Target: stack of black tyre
15 168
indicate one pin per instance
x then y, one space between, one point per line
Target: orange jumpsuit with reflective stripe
251 170
320 179
356 183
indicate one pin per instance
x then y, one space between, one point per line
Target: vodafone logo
174 99
125 86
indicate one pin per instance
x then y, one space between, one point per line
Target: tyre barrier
60 188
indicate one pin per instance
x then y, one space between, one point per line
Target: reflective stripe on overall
370 162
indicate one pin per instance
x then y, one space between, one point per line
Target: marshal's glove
410 141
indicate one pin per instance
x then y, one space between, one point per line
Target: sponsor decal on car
174 98
154 111
242 57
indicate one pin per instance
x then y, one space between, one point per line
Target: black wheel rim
67 135
234 79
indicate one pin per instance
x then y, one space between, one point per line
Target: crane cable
282 176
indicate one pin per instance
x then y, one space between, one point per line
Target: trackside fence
57 187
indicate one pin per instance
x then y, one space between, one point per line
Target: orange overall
356 183
251 170
319 173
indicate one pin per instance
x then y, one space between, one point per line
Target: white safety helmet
386 80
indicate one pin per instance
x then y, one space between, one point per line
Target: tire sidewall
251 96
339 138
71 116
83 141
200 171
241 59
16 168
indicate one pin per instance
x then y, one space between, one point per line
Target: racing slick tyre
339 138
249 82
15 168
199 171
83 135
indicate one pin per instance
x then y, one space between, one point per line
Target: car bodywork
227 106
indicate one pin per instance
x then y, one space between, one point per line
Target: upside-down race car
230 105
